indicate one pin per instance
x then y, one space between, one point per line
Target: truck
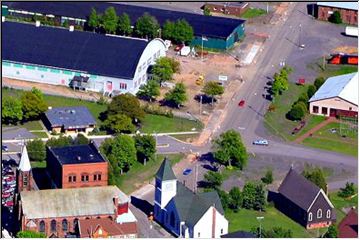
351 31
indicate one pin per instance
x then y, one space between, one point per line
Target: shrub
303 98
311 91
268 178
296 112
348 191
319 82
335 17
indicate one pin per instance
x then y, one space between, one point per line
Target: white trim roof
326 198
24 164
344 5
343 86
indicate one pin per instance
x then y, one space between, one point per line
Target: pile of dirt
346 49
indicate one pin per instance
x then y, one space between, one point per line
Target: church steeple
24 172
165 185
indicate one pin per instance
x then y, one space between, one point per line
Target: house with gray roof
185 213
69 119
304 202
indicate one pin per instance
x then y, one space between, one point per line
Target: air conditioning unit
71 28
37 23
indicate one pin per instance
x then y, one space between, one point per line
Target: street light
259 219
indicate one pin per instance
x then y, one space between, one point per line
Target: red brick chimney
116 204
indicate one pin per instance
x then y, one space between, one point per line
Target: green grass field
253 12
162 124
334 70
140 174
38 164
340 203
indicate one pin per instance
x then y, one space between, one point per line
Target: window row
319 214
84 177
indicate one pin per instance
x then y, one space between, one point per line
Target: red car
179 47
241 103
6 195
9 204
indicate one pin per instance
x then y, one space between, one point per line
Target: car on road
4 148
261 142
187 171
242 103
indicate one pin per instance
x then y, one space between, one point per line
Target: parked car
10 190
6 195
242 103
262 142
9 204
187 171
9 174
4 148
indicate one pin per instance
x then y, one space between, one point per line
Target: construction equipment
341 58
200 80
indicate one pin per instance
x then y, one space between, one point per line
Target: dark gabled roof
77 154
348 227
298 189
239 234
165 171
70 117
82 51
209 26
88 227
191 207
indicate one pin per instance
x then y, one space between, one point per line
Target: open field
140 174
162 124
253 12
334 70
341 203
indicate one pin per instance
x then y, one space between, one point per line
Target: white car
262 142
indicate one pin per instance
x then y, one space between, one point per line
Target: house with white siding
185 213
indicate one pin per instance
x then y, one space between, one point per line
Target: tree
260 198
315 175
224 198
147 26
332 232
162 71
319 82
248 193
121 154
296 112
110 20
33 105
30 234
275 232
38 93
81 139
36 149
126 104
175 64
177 95
168 30
11 110
268 178
303 98
119 123
61 141
145 147
276 86
213 179
236 199
150 90
184 31
124 24
212 88
230 150
311 91
348 191
207 11
94 20
335 17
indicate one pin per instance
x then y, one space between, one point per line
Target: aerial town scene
179 119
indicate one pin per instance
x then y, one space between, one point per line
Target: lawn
311 122
31 125
340 203
253 12
245 220
276 121
140 174
38 164
335 70
162 124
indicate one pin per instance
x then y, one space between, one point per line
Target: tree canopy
33 104
315 175
94 20
124 25
126 104
213 179
61 141
254 196
297 111
179 32
348 191
177 95
145 147
268 178
110 20
11 110
81 139
335 17
230 150
163 70
36 150
332 232
319 82
275 232
236 198
30 234
149 91
119 123
213 88
147 26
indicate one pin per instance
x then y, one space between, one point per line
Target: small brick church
74 211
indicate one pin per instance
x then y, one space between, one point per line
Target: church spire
24 164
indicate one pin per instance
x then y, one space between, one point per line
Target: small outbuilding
69 120
348 227
347 10
338 96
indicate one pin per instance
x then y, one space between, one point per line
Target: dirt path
315 129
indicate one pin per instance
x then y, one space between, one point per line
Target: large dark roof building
77 118
208 26
305 202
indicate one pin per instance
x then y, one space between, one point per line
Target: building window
148 61
144 66
198 234
42 226
315 109
350 108
221 231
84 178
53 226
97 177
25 180
324 110
17 72
123 86
139 69
158 53
76 222
154 57
72 178
310 217
319 213
328 213
64 225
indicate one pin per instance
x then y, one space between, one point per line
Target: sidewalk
315 129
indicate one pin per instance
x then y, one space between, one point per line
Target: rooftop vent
78 158
71 28
37 23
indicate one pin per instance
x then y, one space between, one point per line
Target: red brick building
77 166
58 212
348 227
24 174
230 8
348 11
105 228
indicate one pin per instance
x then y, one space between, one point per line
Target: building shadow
311 9
142 205
41 178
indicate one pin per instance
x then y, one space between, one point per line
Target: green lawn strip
335 70
276 121
40 134
31 125
340 203
161 124
253 12
140 174
330 145
38 164
350 135
245 220
311 122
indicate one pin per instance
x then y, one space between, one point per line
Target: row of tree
30 106
146 26
281 81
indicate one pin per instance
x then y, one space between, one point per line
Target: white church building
185 213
